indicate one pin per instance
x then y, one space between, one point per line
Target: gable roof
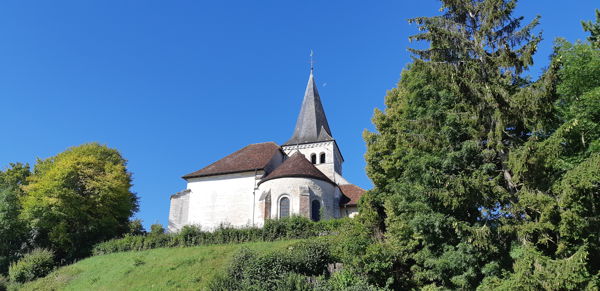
350 194
296 166
311 125
250 158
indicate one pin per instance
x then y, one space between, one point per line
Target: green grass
159 269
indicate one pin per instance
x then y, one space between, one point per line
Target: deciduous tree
78 198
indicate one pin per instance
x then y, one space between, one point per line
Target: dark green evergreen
439 158
594 30
557 214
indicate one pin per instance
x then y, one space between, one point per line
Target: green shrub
291 228
224 282
189 235
293 282
310 257
287 228
346 280
157 229
265 271
36 264
302 266
3 283
136 227
287 269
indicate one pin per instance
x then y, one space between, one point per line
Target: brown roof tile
249 158
351 194
296 166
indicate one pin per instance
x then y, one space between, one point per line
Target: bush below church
302 266
287 228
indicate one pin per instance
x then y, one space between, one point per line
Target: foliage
37 263
276 270
136 227
13 231
78 198
293 282
301 266
471 161
534 271
3 283
593 29
559 176
280 229
157 229
346 280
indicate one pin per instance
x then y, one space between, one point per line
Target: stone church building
269 181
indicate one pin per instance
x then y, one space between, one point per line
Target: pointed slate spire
311 125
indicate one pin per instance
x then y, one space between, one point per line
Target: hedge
287 228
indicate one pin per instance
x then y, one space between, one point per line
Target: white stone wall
349 211
228 199
179 210
293 188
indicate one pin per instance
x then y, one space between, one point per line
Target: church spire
311 125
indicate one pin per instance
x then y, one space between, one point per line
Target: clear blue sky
176 85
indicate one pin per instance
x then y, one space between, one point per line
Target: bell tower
312 135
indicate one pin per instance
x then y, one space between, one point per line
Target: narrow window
322 158
284 207
313 158
315 213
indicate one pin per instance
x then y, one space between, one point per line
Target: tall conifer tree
439 161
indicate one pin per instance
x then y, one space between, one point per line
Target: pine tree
593 29
557 215
439 160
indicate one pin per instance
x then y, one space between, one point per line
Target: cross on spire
312 62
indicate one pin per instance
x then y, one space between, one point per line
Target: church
263 181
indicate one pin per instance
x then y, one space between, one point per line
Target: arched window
313 158
284 207
315 211
322 158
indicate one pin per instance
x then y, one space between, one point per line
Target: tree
15 176
439 159
136 227
558 215
593 29
157 229
13 232
78 198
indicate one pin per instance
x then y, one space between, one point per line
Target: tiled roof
351 194
249 158
296 166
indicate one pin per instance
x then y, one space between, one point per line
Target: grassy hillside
159 269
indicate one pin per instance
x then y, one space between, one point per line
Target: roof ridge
251 157
263 143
